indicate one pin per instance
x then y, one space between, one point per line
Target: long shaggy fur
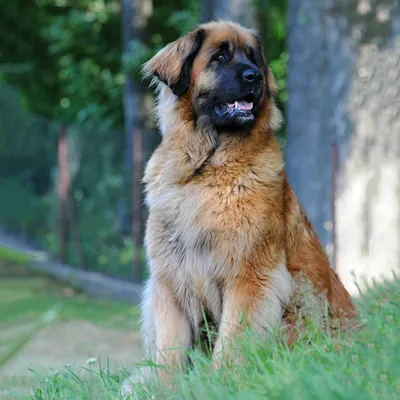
226 236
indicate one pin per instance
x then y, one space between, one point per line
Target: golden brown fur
225 231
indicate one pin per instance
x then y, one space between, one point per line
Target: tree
343 111
73 58
68 72
236 10
134 22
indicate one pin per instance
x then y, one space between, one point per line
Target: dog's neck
197 143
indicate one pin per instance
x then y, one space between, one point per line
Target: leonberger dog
226 238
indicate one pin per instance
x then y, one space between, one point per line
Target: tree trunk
241 11
135 15
207 10
123 211
344 86
307 152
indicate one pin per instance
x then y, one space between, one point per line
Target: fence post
136 203
63 193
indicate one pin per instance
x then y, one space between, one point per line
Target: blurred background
76 131
75 119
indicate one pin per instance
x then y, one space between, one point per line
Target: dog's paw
133 387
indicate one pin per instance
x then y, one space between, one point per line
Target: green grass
29 298
29 301
9 255
26 294
358 365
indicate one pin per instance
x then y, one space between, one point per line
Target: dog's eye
221 57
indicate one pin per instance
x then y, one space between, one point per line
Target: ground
51 325
45 325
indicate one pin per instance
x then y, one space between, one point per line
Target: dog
226 238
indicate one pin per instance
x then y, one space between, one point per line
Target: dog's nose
251 75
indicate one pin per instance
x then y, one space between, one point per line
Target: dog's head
220 69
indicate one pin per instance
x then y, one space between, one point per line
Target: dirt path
68 343
71 343
47 325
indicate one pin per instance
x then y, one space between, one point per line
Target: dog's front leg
173 333
256 301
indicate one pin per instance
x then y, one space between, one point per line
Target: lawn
44 323
358 365
361 364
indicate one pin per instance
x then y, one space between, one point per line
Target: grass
29 294
30 298
358 365
9 255
29 301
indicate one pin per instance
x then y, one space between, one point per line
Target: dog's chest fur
199 232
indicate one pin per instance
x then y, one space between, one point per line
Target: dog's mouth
242 107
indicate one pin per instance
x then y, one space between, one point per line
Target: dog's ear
173 64
272 88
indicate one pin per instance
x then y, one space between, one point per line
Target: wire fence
66 189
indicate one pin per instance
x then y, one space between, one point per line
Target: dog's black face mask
233 76
234 99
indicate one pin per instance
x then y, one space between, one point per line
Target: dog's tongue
241 105
244 105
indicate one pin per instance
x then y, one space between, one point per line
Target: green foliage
169 21
73 54
20 209
85 41
357 365
69 68
23 45
28 185
276 45
27 153
272 27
